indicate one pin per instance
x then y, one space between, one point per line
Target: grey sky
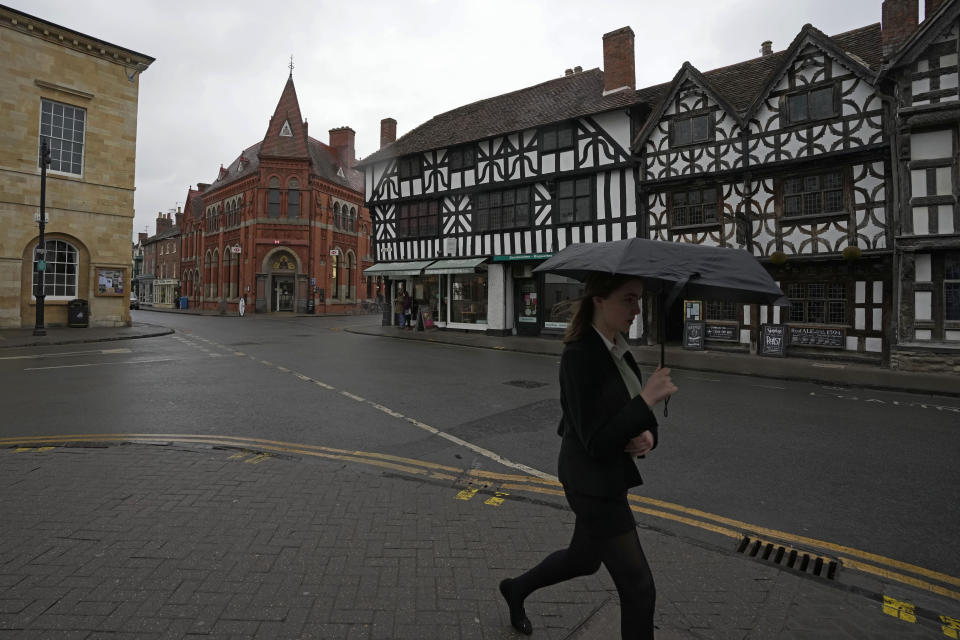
220 66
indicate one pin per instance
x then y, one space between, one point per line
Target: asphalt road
865 469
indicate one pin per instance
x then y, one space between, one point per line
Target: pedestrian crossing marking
497 499
898 609
466 494
950 627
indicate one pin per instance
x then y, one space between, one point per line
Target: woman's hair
597 284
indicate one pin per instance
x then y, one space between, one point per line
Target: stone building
282 225
80 93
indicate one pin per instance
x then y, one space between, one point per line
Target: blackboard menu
693 334
726 332
818 337
773 340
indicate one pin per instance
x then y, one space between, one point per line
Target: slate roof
582 94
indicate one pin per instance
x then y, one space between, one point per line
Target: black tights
623 557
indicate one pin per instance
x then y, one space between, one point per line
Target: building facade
801 157
80 94
283 226
158 284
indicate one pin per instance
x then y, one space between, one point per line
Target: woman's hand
659 386
640 445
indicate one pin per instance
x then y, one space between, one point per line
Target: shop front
543 304
165 292
457 293
394 274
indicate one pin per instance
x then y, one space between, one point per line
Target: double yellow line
851 558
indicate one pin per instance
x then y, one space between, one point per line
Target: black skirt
602 516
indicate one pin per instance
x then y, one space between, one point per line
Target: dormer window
410 167
812 104
460 158
690 129
557 137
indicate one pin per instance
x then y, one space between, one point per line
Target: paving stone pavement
148 542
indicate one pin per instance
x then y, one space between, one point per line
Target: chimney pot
567 72
388 132
578 69
618 60
899 21
766 47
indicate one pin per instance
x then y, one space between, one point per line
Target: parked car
134 303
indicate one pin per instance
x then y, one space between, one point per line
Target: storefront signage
773 340
724 332
693 333
523 256
828 337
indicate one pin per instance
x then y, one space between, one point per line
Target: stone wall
926 360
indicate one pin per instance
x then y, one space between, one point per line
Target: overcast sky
220 66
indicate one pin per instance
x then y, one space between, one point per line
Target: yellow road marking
497 499
45 448
899 609
950 627
238 455
257 459
22 449
466 494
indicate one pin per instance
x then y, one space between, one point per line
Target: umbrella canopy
677 268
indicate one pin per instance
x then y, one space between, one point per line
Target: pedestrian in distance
607 421
407 310
398 307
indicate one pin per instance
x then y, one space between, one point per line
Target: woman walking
607 421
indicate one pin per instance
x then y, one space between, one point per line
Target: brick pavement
138 541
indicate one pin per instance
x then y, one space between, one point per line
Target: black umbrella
672 269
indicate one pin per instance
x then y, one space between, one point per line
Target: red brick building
283 225
157 283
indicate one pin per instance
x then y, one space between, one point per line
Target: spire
291 66
286 134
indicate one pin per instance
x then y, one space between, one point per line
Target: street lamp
41 256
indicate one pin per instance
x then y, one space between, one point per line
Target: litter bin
311 305
183 302
78 313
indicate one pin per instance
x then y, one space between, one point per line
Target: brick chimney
163 222
342 139
930 6
388 132
179 216
141 236
900 18
766 48
618 65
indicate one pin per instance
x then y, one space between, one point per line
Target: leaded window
951 287
460 158
811 104
817 302
690 129
63 126
574 201
720 310
693 207
813 194
410 167
418 219
60 275
557 137
509 209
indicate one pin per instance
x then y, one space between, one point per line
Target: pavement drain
525 384
790 558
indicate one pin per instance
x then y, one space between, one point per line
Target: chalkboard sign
725 332
693 334
773 340
827 337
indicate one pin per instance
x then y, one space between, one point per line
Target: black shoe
518 617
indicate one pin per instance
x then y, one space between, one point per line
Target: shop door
527 307
283 294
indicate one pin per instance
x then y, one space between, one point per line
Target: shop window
460 158
557 137
815 194
690 129
560 296
468 298
418 219
63 126
60 277
273 198
720 310
495 210
694 207
410 167
811 104
574 201
293 198
817 302
951 287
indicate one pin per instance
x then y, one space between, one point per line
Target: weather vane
291 65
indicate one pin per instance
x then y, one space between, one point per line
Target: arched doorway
281 285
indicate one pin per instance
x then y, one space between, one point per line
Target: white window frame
47 131
49 271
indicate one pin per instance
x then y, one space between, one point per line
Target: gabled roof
929 30
286 136
579 94
687 72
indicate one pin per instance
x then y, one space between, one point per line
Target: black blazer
599 418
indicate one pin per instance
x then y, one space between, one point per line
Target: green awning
461 265
397 268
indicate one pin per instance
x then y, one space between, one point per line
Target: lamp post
41 257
